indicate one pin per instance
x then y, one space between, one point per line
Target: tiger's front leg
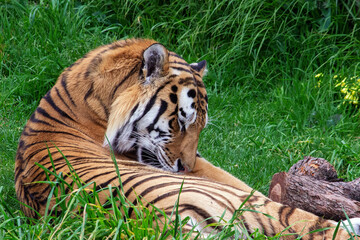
205 169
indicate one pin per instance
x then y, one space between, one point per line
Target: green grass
265 108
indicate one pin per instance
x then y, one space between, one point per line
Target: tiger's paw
353 225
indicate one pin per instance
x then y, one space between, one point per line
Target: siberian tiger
150 105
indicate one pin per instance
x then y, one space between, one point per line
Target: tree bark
312 185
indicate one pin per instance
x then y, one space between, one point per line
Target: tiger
136 102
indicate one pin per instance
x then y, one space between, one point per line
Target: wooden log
317 168
312 185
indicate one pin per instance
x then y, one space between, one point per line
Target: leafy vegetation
267 109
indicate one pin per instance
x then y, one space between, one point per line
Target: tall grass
265 106
79 215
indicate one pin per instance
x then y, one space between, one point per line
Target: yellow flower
340 84
319 84
319 75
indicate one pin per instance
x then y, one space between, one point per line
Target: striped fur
151 105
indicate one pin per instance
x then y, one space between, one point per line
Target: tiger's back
151 105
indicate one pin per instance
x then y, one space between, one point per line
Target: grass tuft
265 106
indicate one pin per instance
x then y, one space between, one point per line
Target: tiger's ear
200 67
156 62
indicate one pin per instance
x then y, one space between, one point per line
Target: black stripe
271 225
58 164
204 192
200 212
187 81
59 132
163 107
105 184
175 55
288 214
260 222
49 99
220 188
172 76
93 64
85 170
119 132
61 98
118 188
184 208
199 84
134 109
175 112
18 171
74 64
197 74
42 111
32 154
280 212
117 137
35 120
137 183
181 63
316 226
128 180
151 102
26 133
182 69
132 72
64 85
170 123
90 91
106 110
158 186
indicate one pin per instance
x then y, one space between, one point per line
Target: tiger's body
151 105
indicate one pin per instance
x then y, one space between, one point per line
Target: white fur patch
185 103
148 118
355 223
125 127
194 224
206 119
175 72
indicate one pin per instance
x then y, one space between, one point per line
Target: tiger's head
160 118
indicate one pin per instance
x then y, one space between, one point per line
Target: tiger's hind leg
294 223
211 205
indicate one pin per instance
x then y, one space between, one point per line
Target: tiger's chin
149 158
